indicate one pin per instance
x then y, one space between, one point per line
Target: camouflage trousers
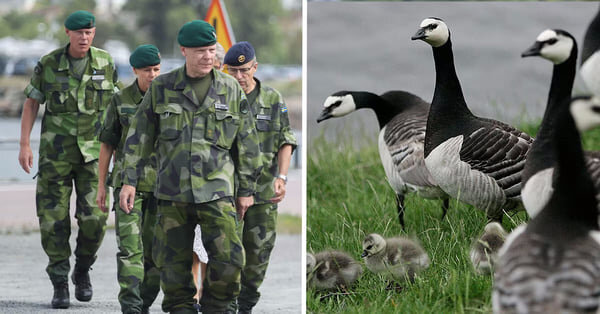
173 250
139 279
258 238
53 193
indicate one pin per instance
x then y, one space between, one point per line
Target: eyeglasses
233 71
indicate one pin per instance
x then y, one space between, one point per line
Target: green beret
197 33
144 55
80 19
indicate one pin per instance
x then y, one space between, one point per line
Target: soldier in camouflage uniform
198 121
76 82
276 145
137 275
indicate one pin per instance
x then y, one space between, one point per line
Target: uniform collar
63 64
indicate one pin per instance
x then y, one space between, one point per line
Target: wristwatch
282 177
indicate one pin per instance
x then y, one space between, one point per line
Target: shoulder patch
244 106
38 68
283 107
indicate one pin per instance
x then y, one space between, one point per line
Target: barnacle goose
560 47
484 251
402 118
590 56
398 259
331 269
476 160
552 264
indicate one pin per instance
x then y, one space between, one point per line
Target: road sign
217 16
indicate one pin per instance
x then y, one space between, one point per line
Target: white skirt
199 247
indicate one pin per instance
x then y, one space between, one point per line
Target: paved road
25 288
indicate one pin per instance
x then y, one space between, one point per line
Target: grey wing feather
405 138
499 151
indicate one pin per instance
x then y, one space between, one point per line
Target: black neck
572 207
591 40
384 110
448 107
540 156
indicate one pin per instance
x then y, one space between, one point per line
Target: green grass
348 197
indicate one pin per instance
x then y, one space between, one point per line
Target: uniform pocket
171 121
56 98
221 128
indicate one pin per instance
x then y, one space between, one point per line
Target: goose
552 264
484 251
560 47
590 56
402 118
398 259
332 269
476 160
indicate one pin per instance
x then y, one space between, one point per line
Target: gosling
399 259
484 252
331 270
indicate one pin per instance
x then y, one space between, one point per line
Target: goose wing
405 136
499 151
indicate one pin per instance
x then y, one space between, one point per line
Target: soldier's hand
127 197
279 190
242 204
26 158
101 198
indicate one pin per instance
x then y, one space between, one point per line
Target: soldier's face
81 39
244 74
199 60
146 75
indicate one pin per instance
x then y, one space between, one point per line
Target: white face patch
583 112
346 105
556 48
545 35
436 32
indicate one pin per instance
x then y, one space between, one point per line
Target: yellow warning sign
217 16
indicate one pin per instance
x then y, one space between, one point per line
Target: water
366 46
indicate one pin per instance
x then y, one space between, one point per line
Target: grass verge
348 197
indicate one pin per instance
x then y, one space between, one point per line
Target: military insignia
215 35
158 54
241 58
244 106
283 108
38 68
263 117
99 77
221 106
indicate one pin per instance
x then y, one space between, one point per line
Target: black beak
533 50
420 34
364 253
326 114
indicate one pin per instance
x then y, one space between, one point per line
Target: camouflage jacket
273 128
118 118
199 145
74 108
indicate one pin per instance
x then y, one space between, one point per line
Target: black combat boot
60 300
83 286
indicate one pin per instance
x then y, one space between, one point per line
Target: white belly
456 178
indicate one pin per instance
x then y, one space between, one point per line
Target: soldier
76 82
198 121
276 145
137 275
